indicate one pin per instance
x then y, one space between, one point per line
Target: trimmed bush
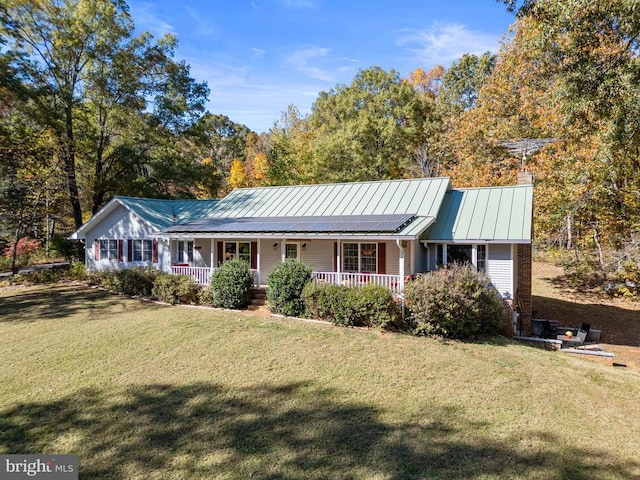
373 306
354 306
455 302
286 281
175 289
231 284
132 281
326 301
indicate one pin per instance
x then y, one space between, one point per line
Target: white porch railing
392 282
202 275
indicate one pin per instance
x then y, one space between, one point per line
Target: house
126 232
351 233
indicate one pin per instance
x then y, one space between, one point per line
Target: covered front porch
202 276
351 262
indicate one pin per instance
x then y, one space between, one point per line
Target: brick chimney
524 177
524 259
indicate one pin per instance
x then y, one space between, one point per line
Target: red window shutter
96 250
254 255
382 258
130 250
119 250
155 251
220 253
335 256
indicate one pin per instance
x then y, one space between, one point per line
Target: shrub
205 296
231 284
74 271
77 270
355 306
61 246
175 289
132 281
326 301
286 281
373 306
455 302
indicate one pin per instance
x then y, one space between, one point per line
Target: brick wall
523 287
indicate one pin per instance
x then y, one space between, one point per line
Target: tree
463 80
368 130
111 100
237 178
27 185
260 171
591 49
290 149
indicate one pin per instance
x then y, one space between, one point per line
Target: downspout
401 275
401 265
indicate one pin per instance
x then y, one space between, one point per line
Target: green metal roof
421 197
493 214
157 213
160 213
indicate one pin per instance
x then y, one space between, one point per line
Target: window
472 254
241 250
481 258
142 250
291 251
185 252
459 253
440 255
359 257
368 257
109 249
350 257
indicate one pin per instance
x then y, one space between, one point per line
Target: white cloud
444 43
147 20
301 60
257 53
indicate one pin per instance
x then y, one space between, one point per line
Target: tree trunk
569 231
596 239
14 255
69 159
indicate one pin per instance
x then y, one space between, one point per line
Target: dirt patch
617 318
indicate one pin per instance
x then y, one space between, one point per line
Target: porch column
400 265
283 251
211 264
339 261
259 242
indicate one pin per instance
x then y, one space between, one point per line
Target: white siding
124 225
500 268
202 253
318 255
269 257
420 257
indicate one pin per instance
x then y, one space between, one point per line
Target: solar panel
320 224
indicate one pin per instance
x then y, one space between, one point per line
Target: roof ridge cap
341 183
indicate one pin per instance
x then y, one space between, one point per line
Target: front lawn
142 391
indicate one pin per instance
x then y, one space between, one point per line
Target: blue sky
260 56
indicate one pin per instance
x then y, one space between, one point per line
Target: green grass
143 391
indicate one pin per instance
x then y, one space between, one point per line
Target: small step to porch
258 299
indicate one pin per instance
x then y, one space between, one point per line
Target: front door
292 251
